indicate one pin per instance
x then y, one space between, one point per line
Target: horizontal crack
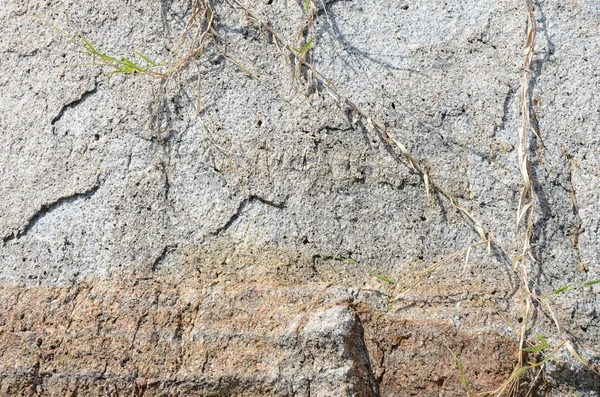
243 206
49 207
74 103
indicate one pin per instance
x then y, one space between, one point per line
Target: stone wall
228 223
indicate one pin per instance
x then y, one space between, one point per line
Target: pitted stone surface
259 179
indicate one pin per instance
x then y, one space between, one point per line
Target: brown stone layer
418 357
163 336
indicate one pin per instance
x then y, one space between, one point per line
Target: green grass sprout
371 272
572 286
116 65
306 47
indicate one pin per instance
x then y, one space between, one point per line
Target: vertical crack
368 383
162 255
576 230
167 181
505 110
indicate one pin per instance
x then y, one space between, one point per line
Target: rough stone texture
196 258
165 336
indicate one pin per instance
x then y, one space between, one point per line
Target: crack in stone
73 104
327 129
357 348
576 230
45 209
137 327
70 317
242 207
162 255
167 186
505 110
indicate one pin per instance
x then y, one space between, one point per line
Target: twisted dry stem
431 186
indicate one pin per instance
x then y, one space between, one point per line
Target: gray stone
254 169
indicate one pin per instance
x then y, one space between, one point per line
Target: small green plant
431 269
461 368
538 348
305 48
200 28
189 46
352 261
571 286
372 273
116 65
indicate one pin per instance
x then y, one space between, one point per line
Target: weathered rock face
230 230
165 336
